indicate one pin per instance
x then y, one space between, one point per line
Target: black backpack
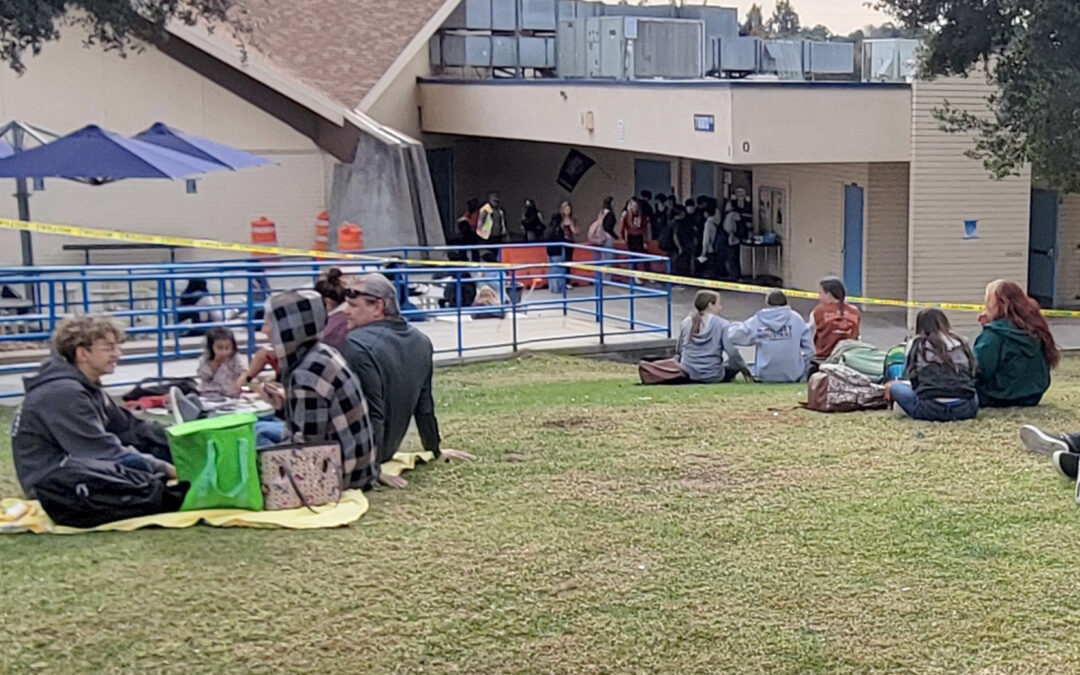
153 386
90 492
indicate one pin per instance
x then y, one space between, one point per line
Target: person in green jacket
1015 350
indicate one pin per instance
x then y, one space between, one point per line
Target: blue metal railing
145 297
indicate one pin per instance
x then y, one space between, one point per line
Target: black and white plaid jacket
323 398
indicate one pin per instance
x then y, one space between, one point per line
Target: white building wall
947 189
1068 252
68 87
886 244
814 234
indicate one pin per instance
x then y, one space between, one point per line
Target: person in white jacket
783 340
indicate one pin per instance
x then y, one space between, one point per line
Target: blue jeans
929 409
268 431
557 283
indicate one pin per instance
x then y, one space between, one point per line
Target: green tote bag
217 457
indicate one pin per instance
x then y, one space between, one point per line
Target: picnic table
88 248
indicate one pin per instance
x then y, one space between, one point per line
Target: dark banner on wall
574 167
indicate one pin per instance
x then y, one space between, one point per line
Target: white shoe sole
1038 441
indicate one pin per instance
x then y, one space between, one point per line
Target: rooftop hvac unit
829 58
720 22
641 11
735 55
483 15
466 50
504 52
536 52
893 60
783 57
538 14
570 41
625 47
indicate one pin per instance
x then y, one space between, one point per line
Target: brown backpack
838 388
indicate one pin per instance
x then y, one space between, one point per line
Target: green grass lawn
606 527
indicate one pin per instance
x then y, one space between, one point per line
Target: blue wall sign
704 123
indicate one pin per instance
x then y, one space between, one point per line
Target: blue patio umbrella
94 156
164 136
97 156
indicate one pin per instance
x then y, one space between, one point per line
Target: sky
840 16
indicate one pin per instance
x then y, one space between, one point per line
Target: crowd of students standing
702 236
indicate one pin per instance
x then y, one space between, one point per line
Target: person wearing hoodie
782 338
394 363
320 398
1015 350
939 373
67 414
704 353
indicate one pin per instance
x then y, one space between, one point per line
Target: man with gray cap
394 362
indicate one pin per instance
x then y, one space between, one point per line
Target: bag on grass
90 492
895 361
153 386
661 372
216 456
837 388
300 474
857 355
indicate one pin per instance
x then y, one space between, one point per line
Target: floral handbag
300 474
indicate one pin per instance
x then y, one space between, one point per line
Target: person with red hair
1015 350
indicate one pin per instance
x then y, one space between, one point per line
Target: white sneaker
1038 441
183 409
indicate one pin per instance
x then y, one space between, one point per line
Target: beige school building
855 178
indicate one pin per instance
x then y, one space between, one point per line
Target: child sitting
782 338
941 370
221 366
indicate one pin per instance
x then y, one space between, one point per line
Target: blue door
652 175
1042 246
853 238
702 180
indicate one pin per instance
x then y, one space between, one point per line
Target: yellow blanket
353 504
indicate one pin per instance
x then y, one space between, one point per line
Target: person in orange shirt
834 319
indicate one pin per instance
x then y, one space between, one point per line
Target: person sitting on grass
394 363
332 290
320 398
1015 350
703 354
833 319
66 412
940 373
221 365
782 338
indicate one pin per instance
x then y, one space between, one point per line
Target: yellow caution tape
210 244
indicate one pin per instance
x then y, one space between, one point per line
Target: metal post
131 298
667 267
600 305
597 295
52 306
250 316
161 328
457 279
513 305
633 301
564 273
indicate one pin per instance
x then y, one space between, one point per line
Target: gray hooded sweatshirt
702 355
65 414
784 343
